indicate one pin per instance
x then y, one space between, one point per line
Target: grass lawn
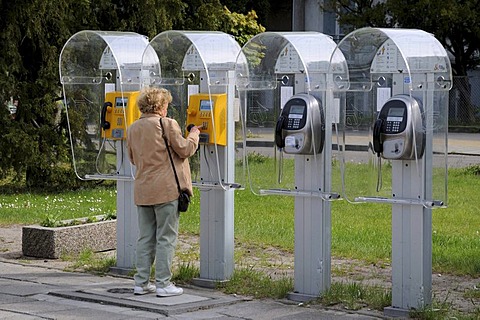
360 231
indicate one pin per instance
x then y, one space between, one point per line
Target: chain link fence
464 109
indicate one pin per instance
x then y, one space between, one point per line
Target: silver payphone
399 133
411 134
300 127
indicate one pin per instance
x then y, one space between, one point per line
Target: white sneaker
149 288
169 291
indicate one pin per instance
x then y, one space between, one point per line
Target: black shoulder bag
183 198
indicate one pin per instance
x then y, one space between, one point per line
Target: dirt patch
276 263
11 249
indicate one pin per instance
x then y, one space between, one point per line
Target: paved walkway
33 292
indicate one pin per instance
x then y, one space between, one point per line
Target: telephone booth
100 75
288 116
393 92
197 67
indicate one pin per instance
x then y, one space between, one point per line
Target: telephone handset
377 143
103 115
281 123
399 133
300 127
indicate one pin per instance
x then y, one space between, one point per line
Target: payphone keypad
296 115
293 123
395 117
393 126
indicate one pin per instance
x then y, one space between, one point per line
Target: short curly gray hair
153 100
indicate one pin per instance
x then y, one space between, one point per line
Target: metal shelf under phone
425 203
108 177
301 193
217 185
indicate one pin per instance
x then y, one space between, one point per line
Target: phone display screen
205 105
121 102
395 114
296 111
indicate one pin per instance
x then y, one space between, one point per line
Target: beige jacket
154 179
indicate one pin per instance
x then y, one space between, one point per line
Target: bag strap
170 156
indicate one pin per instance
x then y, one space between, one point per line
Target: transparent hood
197 68
393 95
285 109
271 54
100 72
173 57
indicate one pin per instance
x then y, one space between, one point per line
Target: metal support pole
412 228
312 271
312 234
127 223
217 205
411 245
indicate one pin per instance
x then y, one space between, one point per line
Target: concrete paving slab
8 298
59 278
191 300
75 304
258 309
270 310
6 315
85 313
24 289
84 296
37 307
127 293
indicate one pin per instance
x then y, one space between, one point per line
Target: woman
155 188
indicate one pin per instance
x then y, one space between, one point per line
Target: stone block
51 243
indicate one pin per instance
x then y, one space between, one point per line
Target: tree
147 17
456 24
353 14
201 15
261 7
34 144
242 27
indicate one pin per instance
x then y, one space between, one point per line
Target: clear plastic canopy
273 67
87 57
270 54
91 65
172 57
197 67
368 51
371 66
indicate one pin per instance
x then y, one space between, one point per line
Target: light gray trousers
158 231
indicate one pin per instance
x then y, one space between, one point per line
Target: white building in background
307 15
303 15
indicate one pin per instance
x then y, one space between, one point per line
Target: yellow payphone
118 108
202 108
